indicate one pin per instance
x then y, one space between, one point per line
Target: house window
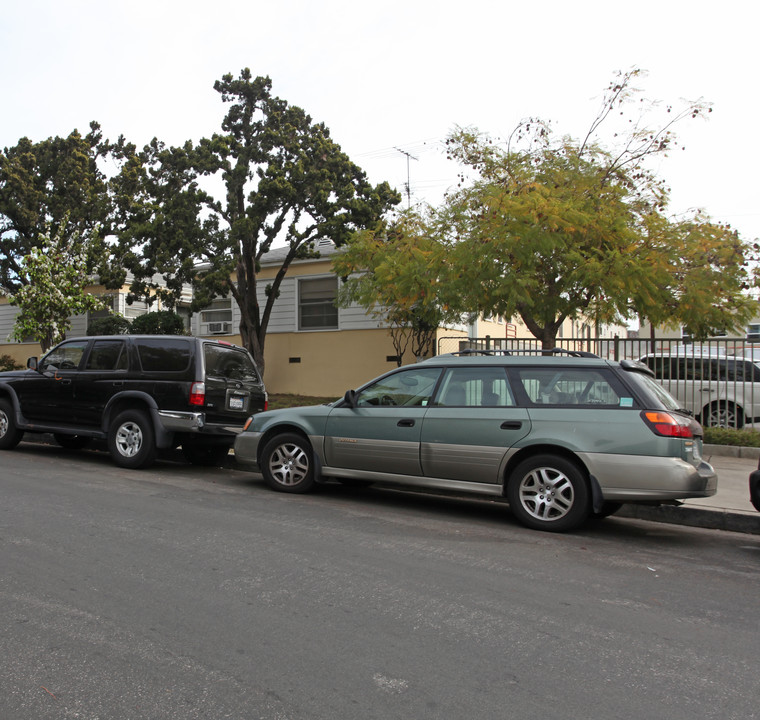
316 304
216 319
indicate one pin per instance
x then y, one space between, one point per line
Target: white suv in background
720 390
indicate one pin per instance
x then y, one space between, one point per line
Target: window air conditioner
218 328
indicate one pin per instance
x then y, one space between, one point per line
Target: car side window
475 387
65 356
164 354
410 388
572 387
107 355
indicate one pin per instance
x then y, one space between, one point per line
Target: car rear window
229 363
164 354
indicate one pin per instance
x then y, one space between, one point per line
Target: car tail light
669 425
198 393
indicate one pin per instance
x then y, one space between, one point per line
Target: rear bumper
631 478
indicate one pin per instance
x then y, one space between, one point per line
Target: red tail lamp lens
198 393
667 425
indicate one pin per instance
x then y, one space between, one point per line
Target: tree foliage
160 322
555 229
157 206
53 186
395 272
53 278
113 324
286 181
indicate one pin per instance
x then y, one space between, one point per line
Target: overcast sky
394 76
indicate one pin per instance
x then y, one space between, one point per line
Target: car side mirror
31 363
350 398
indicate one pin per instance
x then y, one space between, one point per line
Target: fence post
616 351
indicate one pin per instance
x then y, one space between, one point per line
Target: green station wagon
562 437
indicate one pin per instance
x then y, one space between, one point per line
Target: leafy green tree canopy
54 277
397 272
286 184
54 186
556 228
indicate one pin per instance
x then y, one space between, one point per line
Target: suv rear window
164 354
228 363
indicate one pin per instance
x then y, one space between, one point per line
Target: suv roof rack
526 351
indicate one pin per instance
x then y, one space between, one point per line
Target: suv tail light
198 393
669 425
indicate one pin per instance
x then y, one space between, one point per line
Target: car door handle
511 425
406 423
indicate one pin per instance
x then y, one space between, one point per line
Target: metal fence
718 380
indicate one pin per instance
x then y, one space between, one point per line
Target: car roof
528 358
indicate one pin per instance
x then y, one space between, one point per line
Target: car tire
548 492
287 464
130 440
72 442
205 455
10 435
723 414
754 489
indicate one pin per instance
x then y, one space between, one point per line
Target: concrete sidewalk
729 509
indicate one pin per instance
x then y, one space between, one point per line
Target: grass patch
283 400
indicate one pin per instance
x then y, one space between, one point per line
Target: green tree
698 276
553 229
54 186
395 272
286 182
157 205
53 278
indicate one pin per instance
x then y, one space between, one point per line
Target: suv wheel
10 435
287 465
547 492
130 440
723 414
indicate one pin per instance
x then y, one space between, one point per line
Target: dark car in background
138 393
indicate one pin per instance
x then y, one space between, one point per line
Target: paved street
183 592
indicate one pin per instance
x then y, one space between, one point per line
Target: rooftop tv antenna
408 186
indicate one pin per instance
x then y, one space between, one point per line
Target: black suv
140 393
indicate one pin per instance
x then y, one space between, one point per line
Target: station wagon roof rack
525 351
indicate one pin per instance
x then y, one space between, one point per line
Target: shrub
730 436
8 363
161 322
111 325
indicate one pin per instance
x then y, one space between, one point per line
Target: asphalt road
183 592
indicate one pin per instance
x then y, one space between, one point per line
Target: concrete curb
712 519
750 453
